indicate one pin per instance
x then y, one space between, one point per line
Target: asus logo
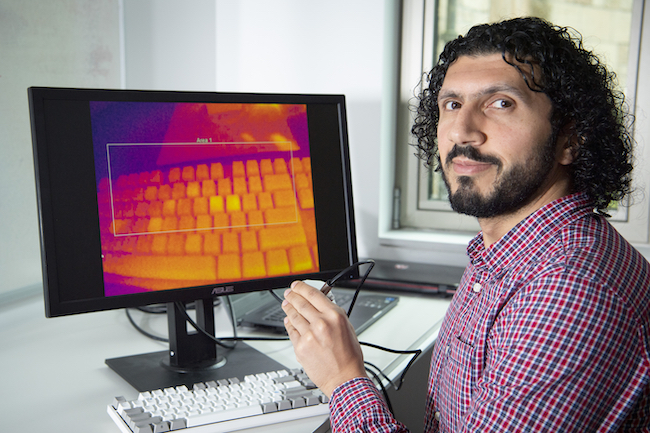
222 290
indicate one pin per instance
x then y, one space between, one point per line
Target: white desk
54 377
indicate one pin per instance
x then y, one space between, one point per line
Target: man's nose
467 127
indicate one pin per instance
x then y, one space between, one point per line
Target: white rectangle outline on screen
218 144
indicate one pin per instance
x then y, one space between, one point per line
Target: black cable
219 341
142 331
371 264
275 296
153 309
379 382
338 276
381 373
332 281
415 354
162 309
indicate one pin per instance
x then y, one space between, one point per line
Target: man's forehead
477 73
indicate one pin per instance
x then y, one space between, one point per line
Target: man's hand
323 339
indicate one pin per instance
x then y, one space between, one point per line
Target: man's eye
451 105
501 103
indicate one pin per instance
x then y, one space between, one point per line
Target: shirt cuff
355 403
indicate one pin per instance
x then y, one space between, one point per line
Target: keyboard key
216 205
208 188
296 166
200 206
193 189
224 415
228 267
281 215
277 262
212 244
249 202
230 243
224 187
252 168
216 171
300 259
266 167
187 174
249 241
284 198
281 237
265 200
175 175
238 169
233 203
178 191
184 207
239 186
279 166
202 172
255 184
253 265
170 267
306 198
238 221
275 182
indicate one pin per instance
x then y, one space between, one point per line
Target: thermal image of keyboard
222 406
209 222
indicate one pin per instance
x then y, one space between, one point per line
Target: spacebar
223 415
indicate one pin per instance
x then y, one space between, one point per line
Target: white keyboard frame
318 410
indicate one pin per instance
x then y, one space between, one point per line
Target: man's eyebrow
491 90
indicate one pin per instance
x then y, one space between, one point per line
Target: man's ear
568 143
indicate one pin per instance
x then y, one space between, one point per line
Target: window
418 197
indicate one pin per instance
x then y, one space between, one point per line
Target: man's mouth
466 167
467 161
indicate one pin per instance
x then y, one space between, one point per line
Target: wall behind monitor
42 43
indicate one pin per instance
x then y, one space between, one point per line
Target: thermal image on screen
193 194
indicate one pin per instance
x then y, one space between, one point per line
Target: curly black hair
581 89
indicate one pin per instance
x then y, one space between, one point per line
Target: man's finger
296 316
314 297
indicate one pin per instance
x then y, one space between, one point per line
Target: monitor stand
192 356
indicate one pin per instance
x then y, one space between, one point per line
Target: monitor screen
149 197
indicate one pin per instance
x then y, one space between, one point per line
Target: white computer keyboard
222 406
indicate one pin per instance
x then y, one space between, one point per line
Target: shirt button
476 288
437 415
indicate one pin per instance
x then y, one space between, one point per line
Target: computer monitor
149 197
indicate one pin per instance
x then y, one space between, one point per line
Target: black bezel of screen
67 196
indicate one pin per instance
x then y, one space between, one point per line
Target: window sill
429 240
447 241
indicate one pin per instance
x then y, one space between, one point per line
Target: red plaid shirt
549 331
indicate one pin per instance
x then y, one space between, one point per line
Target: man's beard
513 189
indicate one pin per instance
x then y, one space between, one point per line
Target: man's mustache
470 152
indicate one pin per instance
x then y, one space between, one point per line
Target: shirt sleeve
357 406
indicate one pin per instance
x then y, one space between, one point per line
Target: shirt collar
527 236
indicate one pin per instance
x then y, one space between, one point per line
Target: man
550 327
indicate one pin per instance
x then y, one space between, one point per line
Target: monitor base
149 371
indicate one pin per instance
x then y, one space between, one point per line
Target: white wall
314 47
71 43
170 44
